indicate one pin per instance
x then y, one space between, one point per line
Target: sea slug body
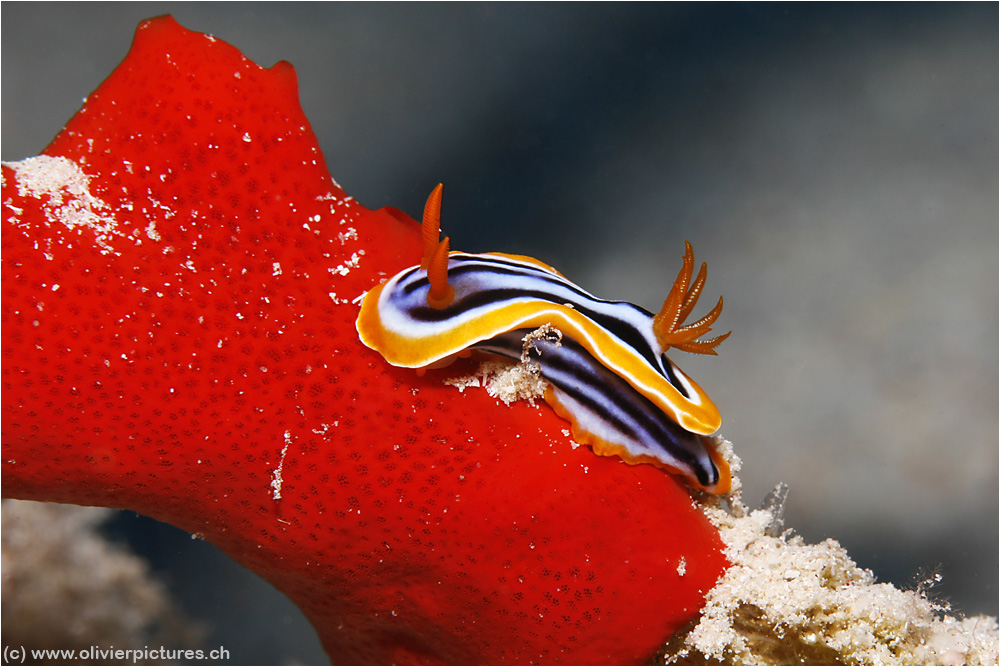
610 376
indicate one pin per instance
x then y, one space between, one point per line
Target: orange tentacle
431 228
703 326
703 346
441 293
669 316
668 323
695 291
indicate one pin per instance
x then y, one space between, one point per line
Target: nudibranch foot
444 362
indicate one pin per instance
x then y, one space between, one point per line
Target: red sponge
180 276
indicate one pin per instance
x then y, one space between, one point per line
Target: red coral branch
179 284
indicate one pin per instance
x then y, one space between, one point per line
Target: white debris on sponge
510 381
70 200
783 601
505 380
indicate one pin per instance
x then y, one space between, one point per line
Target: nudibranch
606 363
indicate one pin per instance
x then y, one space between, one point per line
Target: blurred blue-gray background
836 165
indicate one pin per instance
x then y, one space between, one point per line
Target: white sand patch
70 201
783 601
